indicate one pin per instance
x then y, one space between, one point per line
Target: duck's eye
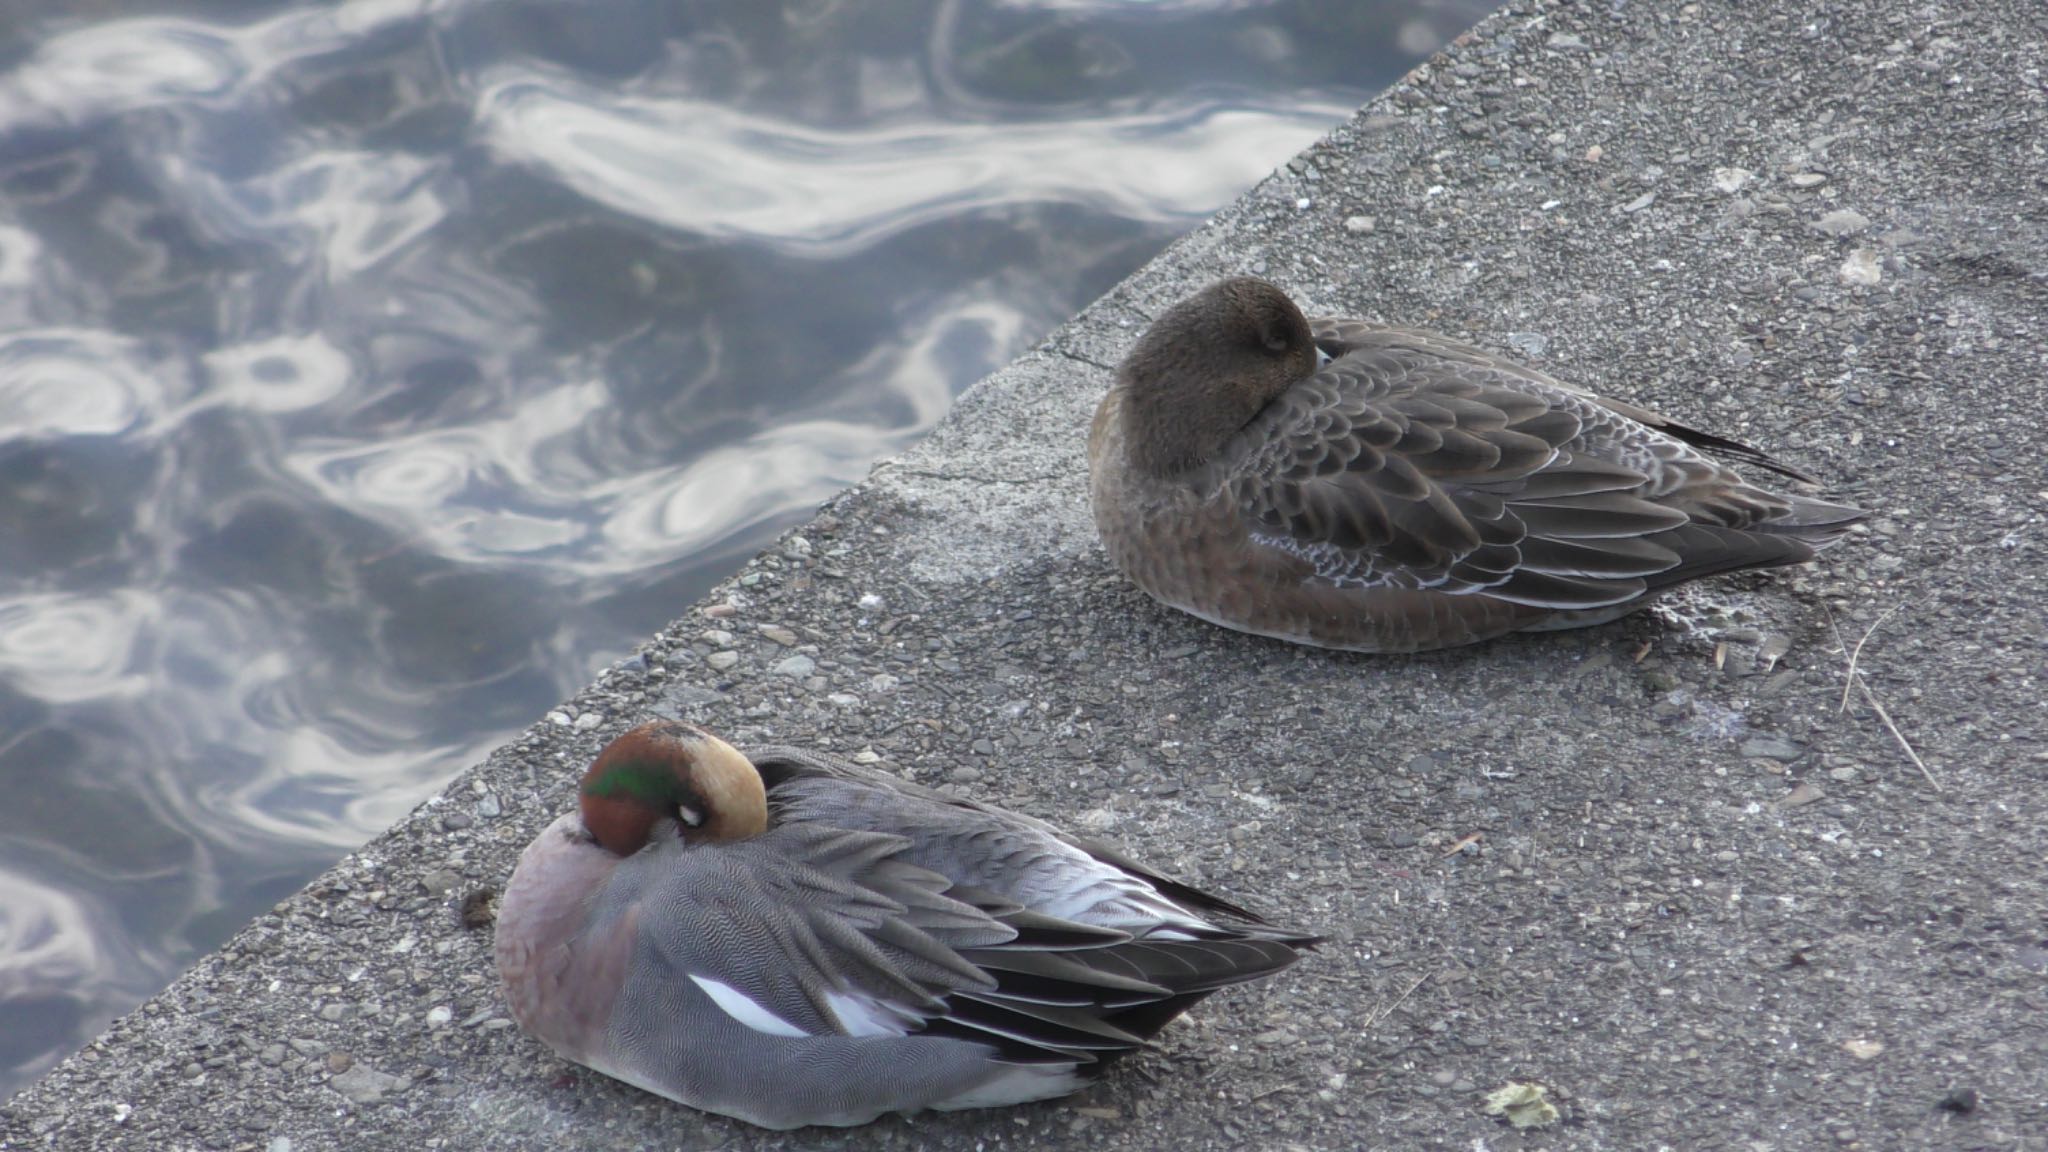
691 816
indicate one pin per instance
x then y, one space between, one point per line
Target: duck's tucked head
1206 367
671 771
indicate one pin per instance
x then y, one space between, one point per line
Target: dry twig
1373 1020
1855 679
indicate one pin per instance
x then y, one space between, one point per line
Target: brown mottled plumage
1411 492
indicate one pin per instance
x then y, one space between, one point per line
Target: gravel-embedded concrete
1655 867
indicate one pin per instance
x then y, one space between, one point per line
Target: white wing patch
867 1016
735 1004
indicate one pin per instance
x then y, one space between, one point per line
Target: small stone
1640 202
1843 222
1862 268
336 1011
779 634
559 719
1594 153
716 637
843 700
589 720
1765 746
1863 1049
882 682
439 1016
796 667
272 1055
1565 40
720 661
440 881
1800 796
982 747
1731 180
487 806
1842 775
1360 224
308 1048
1807 180
363 1084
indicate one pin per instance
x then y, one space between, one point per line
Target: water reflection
372 373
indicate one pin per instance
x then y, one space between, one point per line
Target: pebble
1801 796
796 667
1765 746
779 634
440 881
439 1015
1807 180
589 720
1731 180
1843 222
1640 202
720 661
1862 268
1360 224
363 1084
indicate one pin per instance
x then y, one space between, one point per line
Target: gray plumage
877 948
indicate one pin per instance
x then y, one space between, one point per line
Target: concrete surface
1655 867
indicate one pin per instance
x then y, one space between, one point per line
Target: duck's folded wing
808 931
1020 860
1395 466
1336 336
817 931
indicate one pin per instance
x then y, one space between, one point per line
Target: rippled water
373 373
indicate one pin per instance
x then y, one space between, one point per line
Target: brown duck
1347 485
